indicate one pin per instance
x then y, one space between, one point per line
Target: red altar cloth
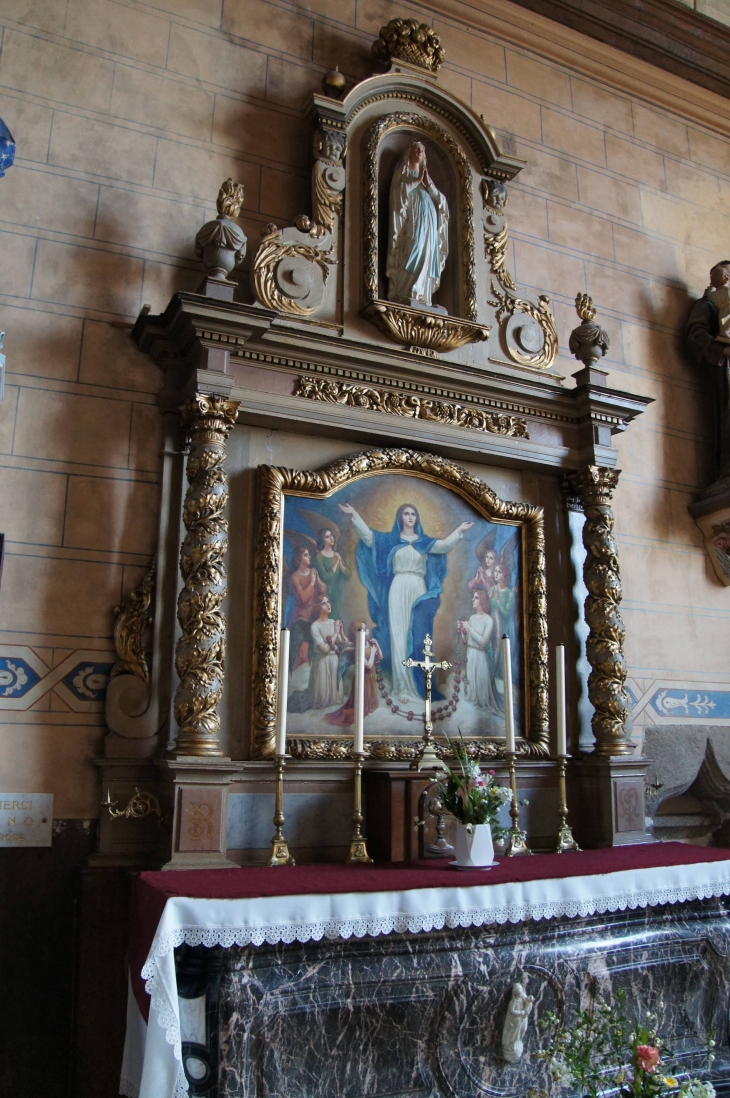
152 890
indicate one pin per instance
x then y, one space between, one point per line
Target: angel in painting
329 563
502 597
403 571
483 580
304 586
327 641
345 715
478 633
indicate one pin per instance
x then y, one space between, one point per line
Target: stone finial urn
221 244
588 342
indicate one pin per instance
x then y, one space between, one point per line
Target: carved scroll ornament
291 268
527 328
133 618
274 482
290 277
604 646
200 651
410 406
328 181
132 708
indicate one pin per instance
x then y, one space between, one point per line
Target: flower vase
474 847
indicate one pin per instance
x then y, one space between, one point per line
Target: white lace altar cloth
152 1066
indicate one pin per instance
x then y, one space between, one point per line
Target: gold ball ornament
333 83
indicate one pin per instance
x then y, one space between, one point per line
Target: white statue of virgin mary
418 241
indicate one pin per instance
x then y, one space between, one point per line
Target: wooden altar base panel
393 802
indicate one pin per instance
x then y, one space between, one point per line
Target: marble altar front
424 1014
396 980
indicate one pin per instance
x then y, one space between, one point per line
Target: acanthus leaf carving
604 646
410 406
132 619
200 650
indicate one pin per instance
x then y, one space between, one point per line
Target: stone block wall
128 115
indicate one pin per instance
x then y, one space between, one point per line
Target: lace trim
128 1088
373 926
166 1017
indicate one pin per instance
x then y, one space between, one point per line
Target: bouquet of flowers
584 1057
472 797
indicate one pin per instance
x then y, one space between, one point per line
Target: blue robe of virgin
375 569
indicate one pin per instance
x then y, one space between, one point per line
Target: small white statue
418 239
515 1023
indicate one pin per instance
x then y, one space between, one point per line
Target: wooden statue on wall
708 343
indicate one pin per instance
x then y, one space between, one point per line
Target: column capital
209 412
593 485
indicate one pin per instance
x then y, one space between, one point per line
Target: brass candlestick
279 847
565 835
358 844
516 839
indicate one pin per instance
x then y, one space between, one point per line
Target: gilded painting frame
275 484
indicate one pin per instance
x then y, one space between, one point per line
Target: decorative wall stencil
80 680
88 681
16 678
666 702
7 148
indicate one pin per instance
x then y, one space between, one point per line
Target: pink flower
647 1058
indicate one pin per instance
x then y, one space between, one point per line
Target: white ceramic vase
474 848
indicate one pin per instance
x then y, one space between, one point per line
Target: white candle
359 743
283 685
509 715
560 699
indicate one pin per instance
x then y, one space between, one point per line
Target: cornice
517 25
237 351
662 32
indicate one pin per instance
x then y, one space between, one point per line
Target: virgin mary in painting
403 571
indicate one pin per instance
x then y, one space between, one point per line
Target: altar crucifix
428 759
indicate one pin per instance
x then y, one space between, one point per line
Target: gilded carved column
594 487
200 651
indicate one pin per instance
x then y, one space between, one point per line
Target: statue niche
420 286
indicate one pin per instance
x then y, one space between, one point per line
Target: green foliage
470 796
584 1057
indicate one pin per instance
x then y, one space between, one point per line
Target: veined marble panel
410 1015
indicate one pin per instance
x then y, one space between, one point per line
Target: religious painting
405 554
